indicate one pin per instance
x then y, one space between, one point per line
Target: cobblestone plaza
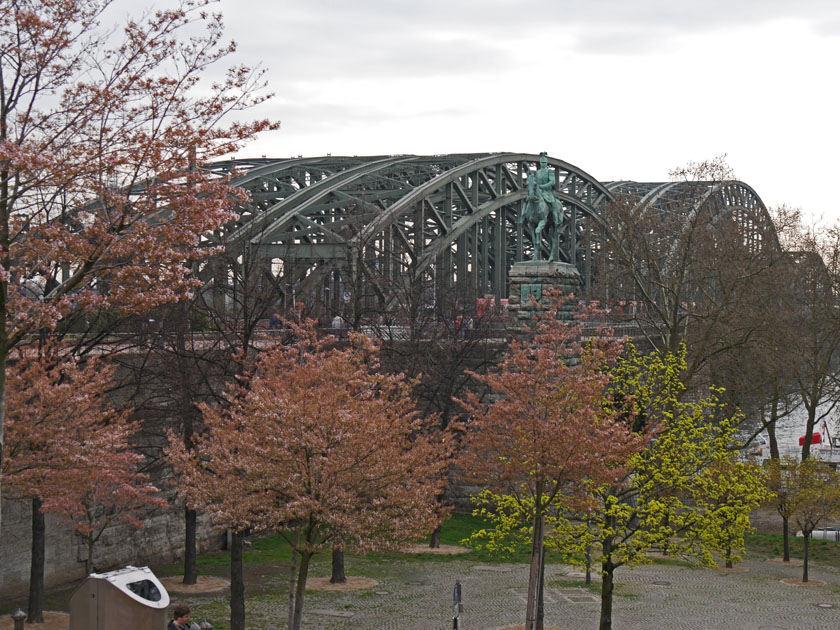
418 596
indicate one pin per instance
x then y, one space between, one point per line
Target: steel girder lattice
381 228
731 201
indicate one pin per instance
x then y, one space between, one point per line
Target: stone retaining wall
160 541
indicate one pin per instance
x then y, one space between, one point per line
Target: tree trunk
300 589
35 607
533 620
588 565
809 431
6 208
89 560
541 602
188 413
771 429
190 566
3 360
292 581
786 536
237 582
338 576
606 596
805 556
729 564
434 542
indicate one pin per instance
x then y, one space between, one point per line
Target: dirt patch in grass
52 621
443 550
205 584
352 584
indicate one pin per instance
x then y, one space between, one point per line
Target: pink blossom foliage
318 437
67 447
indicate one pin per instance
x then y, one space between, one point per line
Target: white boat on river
790 434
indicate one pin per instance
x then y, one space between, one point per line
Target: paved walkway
418 596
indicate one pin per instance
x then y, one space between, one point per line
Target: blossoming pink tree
101 205
321 446
69 452
545 436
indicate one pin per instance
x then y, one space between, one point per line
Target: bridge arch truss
377 229
733 203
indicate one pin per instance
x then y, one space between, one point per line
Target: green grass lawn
772 546
275 549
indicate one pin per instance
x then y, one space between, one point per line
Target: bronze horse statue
534 216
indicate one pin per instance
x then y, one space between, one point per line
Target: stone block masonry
537 279
161 540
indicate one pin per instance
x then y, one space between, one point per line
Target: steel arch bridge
446 223
732 201
442 227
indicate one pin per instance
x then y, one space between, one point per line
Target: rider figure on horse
534 210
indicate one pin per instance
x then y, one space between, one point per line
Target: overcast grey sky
624 89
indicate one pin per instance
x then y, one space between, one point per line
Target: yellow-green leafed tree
725 495
680 492
817 499
781 480
543 437
680 488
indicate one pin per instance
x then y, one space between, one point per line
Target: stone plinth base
536 278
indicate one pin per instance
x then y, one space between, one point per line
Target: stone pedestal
535 278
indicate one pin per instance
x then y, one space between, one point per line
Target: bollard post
19 616
457 606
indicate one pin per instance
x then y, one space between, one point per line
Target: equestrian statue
535 215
